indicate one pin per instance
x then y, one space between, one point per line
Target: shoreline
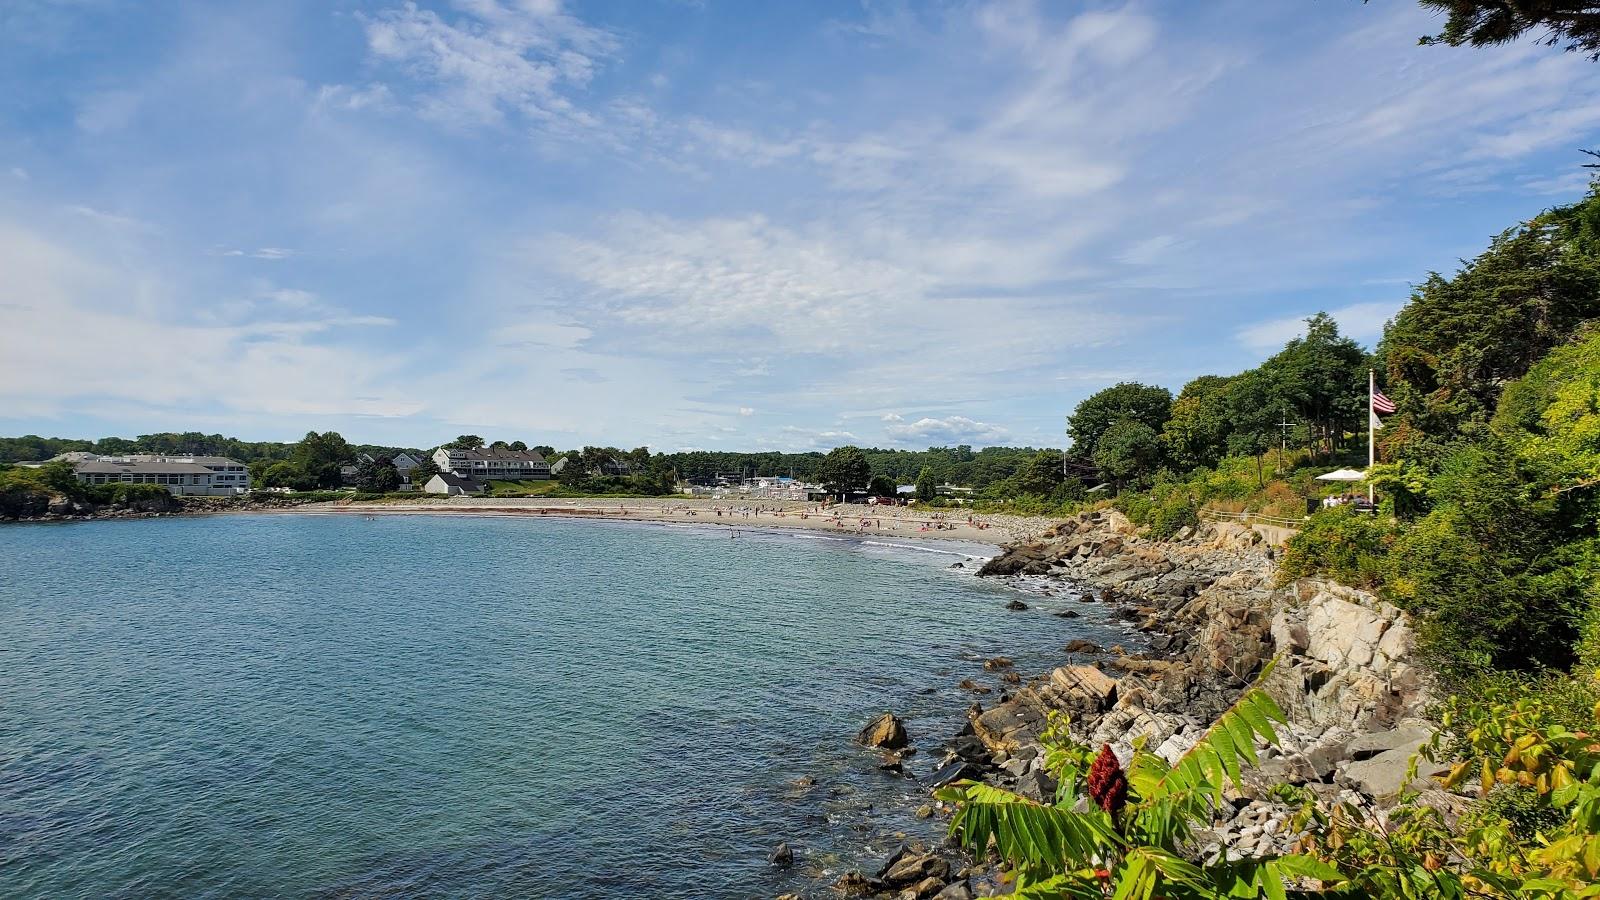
992 530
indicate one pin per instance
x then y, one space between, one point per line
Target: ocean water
327 706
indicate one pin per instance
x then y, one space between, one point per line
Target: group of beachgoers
827 512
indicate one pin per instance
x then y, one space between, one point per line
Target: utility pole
1283 443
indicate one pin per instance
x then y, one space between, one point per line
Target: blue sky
724 225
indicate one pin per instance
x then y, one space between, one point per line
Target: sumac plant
1128 832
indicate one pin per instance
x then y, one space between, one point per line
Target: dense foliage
1489 533
1127 833
1571 24
23 491
33 448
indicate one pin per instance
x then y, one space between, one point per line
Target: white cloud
733 275
112 220
746 411
93 335
948 430
519 58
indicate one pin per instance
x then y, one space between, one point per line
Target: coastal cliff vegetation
1487 534
27 493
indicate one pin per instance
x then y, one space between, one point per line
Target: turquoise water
285 705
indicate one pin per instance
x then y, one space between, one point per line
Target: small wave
923 549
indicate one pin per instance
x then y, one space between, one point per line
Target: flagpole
1372 387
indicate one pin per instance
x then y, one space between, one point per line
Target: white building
493 464
452 485
208 476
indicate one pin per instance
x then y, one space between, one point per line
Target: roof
528 456
459 481
141 467
168 457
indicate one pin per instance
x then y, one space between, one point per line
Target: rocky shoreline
1213 615
38 506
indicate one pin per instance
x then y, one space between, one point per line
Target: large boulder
1381 761
1093 689
886 731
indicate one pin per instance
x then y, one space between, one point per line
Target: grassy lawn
523 488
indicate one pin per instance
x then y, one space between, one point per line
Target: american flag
1382 404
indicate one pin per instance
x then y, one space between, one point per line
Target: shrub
1164 517
130 495
1340 543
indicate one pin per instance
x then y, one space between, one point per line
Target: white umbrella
1343 475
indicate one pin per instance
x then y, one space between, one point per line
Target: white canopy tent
1343 475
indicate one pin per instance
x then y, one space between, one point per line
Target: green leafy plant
1128 833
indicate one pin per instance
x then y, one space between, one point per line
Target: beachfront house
492 464
205 476
452 485
403 464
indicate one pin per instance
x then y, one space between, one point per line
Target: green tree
1252 405
927 486
1142 403
465 442
516 445
844 470
1323 376
1041 476
378 476
320 456
424 470
573 474
1460 340
258 471
290 475
882 487
1128 451
1197 433
1484 23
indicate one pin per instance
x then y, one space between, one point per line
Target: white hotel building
209 476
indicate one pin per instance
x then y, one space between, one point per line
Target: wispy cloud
492 60
958 221
1362 321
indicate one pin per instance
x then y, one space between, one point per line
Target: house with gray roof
493 463
205 476
452 485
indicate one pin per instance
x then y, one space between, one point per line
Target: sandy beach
883 521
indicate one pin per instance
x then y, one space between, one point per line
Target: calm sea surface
286 705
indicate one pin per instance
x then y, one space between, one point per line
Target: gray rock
952 772
781 856
1410 735
1383 776
889 859
1037 785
